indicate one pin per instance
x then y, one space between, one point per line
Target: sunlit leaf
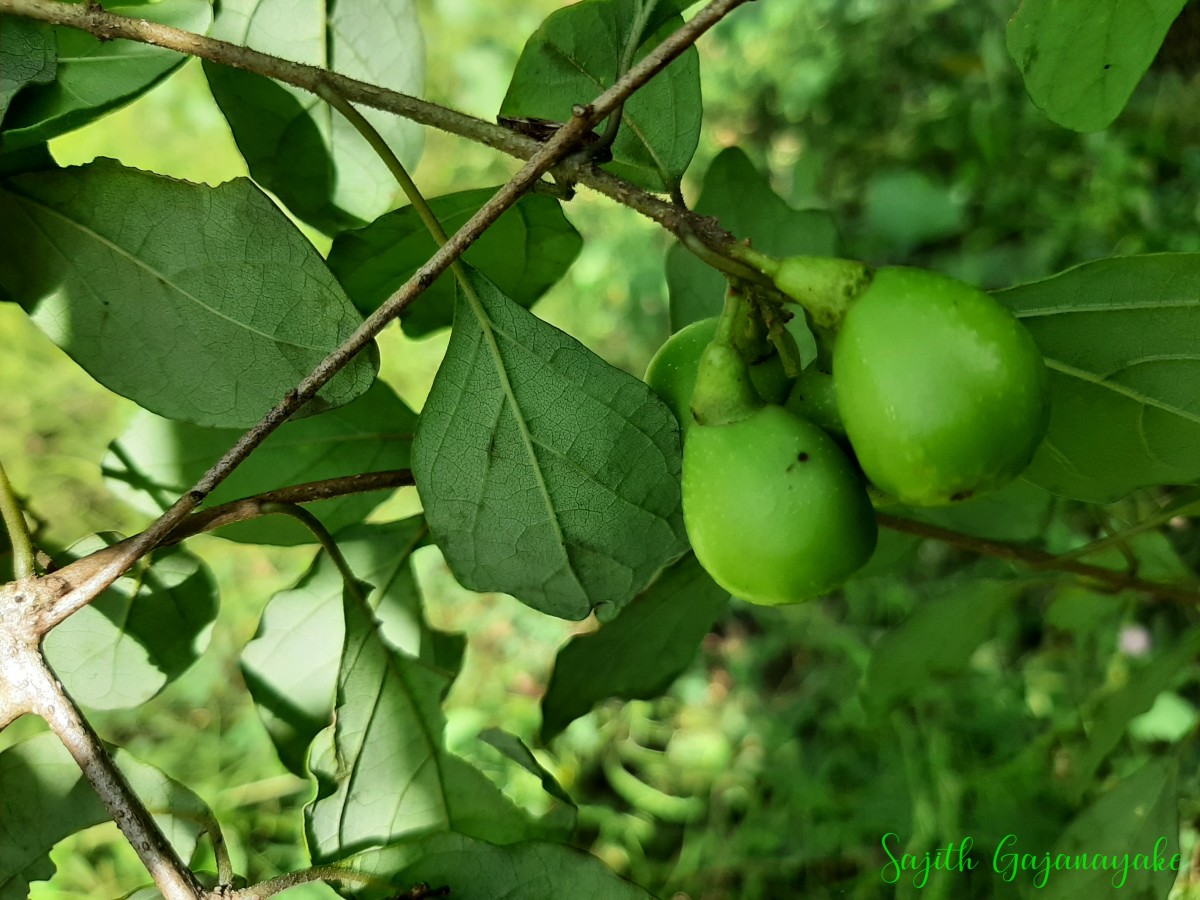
1121 338
544 472
139 635
1081 59
198 303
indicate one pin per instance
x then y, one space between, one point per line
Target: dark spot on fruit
961 495
1107 66
803 457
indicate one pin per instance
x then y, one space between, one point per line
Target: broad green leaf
291 664
140 634
742 199
524 253
44 799
575 55
937 639
640 652
475 870
28 56
155 460
1106 722
382 770
94 77
908 208
1081 59
1131 827
1121 338
296 145
544 472
198 303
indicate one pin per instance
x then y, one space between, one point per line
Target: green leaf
198 303
575 55
529 248
1121 338
937 639
140 634
544 472
382 769
291 665
95 77
638 654
297 146
516 750
908 208
1134 823
44 799
1106 722
474 870
1081 59
155 460
742 199
28 55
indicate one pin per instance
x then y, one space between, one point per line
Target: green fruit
941 390
774 510
672 372
812 398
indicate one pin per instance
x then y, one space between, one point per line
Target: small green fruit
941 390
672 372
775 511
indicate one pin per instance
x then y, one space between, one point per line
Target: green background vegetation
774 766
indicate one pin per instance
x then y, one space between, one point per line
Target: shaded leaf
1105 723
1081 59
198 303
529 248
937 639
28 55
516 750
291 665
1135 822
1121 338
382 769
545 472
474 870
297 146
575 55
94 76
1019 511
140 634
155 460
638 654
44 799
742 199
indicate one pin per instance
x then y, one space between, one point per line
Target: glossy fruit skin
774 510
941 390
672 372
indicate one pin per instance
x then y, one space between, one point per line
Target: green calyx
825 287
724 392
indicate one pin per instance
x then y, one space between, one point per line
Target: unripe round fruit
941 390
672 372
774 510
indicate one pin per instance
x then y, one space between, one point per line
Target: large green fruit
941 390
672 372
774 510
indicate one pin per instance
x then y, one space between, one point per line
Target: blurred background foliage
772 768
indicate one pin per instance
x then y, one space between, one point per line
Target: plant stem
48 699
1185 505
324 538
1041 560
18 533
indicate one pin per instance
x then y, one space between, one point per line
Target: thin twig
1041 560
48 699
18 533
579 168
